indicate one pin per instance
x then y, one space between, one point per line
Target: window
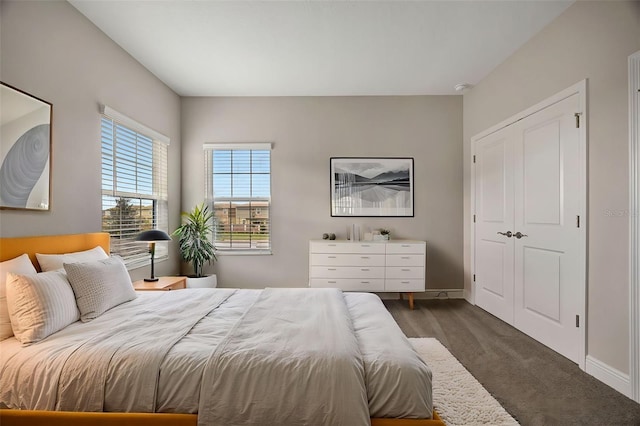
238 185
134 186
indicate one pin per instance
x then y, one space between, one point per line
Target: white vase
208 281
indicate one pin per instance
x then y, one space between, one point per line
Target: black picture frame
372 186
25 150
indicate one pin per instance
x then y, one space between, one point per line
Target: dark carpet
533 383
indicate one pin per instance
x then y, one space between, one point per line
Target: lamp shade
153 235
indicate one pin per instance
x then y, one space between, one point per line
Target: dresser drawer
399 248
342 247
347 272
401 285
406 273
405 260
319 259
349 284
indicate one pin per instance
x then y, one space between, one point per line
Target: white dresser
377 266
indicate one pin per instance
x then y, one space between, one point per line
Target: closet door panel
547 201
494 219
542 282
542 170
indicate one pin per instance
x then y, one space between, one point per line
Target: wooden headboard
51 244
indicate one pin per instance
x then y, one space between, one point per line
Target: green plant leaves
194 237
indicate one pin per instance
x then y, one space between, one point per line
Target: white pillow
40 305
20 265
99 286
53 262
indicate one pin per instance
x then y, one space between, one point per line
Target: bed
227 356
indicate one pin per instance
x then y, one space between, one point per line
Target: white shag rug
458 397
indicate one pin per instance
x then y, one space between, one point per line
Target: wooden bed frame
59 244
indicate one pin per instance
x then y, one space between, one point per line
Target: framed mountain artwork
371 187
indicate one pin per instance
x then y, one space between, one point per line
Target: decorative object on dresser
25 150
372 187
151 236
353 232
378 266
194 239
163 284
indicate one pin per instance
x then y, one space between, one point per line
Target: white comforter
278 356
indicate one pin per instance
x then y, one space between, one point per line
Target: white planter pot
210 281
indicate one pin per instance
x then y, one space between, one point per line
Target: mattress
208 351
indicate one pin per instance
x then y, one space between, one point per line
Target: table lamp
151 236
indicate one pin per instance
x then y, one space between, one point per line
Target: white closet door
494 252
547 202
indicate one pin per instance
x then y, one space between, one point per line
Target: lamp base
151 280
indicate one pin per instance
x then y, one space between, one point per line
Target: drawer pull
405 282
331 282
405 270
364 269
405 257
365 245
331 269
364 282
364 257
331 245
331 257
405 245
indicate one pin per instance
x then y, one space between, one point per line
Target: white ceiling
319 48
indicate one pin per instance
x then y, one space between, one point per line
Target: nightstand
163 284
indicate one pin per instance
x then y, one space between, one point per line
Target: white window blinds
238 186
134 189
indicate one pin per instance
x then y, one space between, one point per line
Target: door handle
519 235
509 234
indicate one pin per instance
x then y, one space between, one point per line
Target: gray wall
50 50
53 52
308 131
590 40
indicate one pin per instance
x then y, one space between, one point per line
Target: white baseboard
608 375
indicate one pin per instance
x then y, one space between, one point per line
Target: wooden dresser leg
411 301
401 297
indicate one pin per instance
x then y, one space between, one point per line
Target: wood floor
534 384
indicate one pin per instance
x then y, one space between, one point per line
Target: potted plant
195 244
386 234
